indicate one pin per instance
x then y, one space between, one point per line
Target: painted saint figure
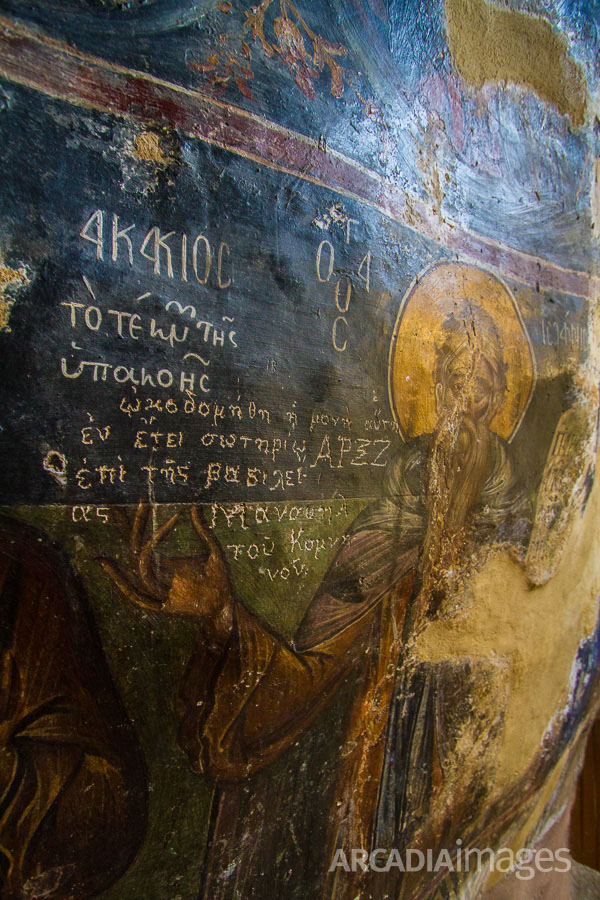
249 696
72 776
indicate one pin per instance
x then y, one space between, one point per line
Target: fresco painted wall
299 430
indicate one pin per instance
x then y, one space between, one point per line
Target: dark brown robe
72 778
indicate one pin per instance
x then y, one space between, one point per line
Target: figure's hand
197 587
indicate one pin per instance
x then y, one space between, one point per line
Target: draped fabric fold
262 694
72 779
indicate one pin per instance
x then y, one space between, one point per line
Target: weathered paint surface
490 44
300 368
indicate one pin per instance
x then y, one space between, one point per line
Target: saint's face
469 386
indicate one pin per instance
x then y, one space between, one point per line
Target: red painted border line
60 71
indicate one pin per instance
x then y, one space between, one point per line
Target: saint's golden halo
432 297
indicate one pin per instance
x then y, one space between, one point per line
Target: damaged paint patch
561 613
9 277
55 463
595 199
147 148
334 215
563 491
429 166
489 44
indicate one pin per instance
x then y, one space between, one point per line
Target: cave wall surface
298 337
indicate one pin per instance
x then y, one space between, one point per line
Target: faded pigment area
490 44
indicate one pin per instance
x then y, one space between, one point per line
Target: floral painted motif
291 36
